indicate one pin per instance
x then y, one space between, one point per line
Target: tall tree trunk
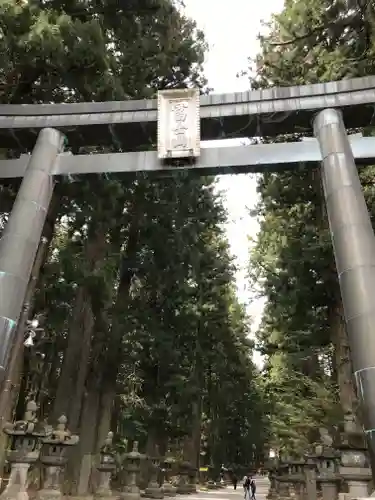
151 448
113 356
115 416
84 456
87 332
80 331
50 377
75 365
348 399
196 431
194 440
198 381
105 413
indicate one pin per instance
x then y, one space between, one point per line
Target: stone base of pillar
16 487
183 489
192 487
130 493
49 494
284 496
358 489
154 491
284 491
78 497
347 496
356 498
329 490
169 490
300 493
14 493
104 497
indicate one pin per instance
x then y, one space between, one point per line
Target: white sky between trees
231 30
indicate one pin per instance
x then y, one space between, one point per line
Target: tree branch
343 24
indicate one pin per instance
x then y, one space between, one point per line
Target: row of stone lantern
302 478
33 442
342 473
186 478
133 460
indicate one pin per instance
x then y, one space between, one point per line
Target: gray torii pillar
20 238
354 248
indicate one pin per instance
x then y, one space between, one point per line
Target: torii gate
132 124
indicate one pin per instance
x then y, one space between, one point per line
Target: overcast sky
231 30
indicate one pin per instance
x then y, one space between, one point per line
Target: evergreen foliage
143 333
302 335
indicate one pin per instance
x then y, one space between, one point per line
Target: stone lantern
168 489
153 489
183 486
192 476
328 477
133 467
106 467
354 468
54 457
24 451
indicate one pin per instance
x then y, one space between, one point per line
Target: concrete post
20 239
354 248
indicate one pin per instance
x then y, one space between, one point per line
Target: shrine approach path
229 493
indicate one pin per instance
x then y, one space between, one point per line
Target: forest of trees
307 378
134 284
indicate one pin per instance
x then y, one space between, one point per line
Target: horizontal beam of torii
212 161
130 125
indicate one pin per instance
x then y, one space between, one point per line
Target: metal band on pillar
20 238
354 248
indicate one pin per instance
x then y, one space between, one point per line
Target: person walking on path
234 481
246 487
253 488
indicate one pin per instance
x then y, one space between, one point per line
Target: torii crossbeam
132 124
212 161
